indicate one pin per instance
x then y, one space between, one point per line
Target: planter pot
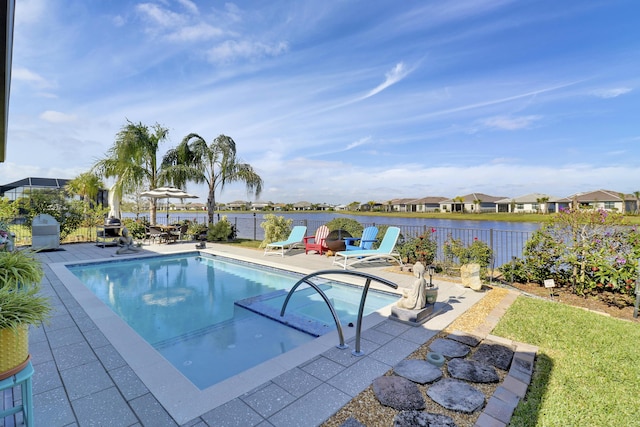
431 294
14 350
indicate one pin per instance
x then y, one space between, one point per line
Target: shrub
137 228
477 252
196 231
352 226
423 249
221 231
275 228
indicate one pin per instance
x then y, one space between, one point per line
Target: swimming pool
207 315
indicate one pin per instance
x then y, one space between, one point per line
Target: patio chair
367 240
384 252
295 239
154 233
317 243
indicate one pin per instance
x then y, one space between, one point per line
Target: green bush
222 230
352 226
137 228
423 249
196 230
276 228
588 250
477 252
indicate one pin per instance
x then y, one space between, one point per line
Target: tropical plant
421 249
86 185
215 164
276 228
132 161
221 231
477 252
21 304
137 228
68 213
8 209
353 227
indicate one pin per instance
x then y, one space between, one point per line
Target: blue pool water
209 316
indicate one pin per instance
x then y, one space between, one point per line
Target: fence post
254 226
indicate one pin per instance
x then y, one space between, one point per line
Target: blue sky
340 101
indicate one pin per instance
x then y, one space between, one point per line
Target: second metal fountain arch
367 276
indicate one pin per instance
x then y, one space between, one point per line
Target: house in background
261 206
238 205
401 205
427 204
599 199
302 206
474 202
529 203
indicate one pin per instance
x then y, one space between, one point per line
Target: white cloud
189 5
196 32
230 50
57 117
23 74
510 123
160 16
611 93
396 74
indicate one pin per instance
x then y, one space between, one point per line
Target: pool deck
81 378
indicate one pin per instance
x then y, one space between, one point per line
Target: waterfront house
599 199
529 203
474 202
427 204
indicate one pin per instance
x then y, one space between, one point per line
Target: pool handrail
336 319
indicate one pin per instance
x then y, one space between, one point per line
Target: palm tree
86 185
132 161
623 196
215 164
544 201
477 203
637 196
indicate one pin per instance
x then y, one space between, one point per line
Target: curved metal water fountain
366 276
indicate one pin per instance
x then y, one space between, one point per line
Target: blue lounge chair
367 240
385 251
295 238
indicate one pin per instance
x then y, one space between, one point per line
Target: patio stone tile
60 321
392 327
40 352
376 336
345 356
322 368
85 380
419 335
110 357
51 408
297 382
128 382
358 377
37 335
150 412
96 338
232 414
197 422
73 355
394 351
104 408
308 410
46 377
66 336
268 400
84 322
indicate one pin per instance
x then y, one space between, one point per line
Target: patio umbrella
167 193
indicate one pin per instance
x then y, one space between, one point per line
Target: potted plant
431 291
21 305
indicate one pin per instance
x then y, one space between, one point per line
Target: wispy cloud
231 50
22 74
57 117
397 73
510 123
611 93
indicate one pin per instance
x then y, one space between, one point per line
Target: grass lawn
587 370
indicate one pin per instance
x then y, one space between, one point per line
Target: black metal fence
504 243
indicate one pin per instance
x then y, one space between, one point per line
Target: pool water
213 317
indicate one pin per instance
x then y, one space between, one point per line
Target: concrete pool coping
178 395
183 402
